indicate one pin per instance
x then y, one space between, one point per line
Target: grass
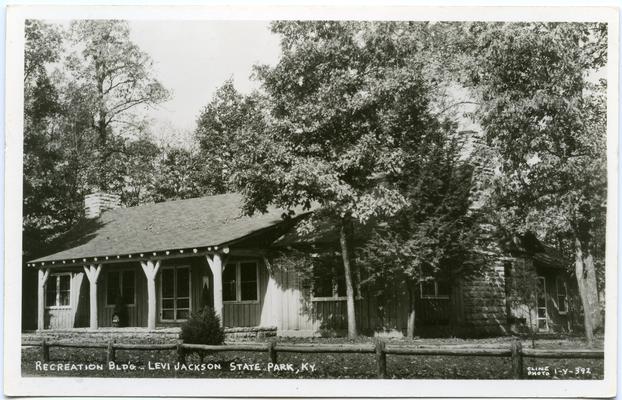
324 365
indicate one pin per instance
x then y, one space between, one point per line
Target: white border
15 385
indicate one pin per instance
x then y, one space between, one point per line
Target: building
151 266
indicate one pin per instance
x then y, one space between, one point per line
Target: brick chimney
96 203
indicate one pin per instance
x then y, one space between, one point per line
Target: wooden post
381 359
181 355
151 271
45 351
216 265
272 351
43 278
517 359
110 354
92 273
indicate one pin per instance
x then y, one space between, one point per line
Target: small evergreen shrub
203 327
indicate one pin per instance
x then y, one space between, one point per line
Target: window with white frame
240 282
562 296
175 293
58 290
120 284
432 288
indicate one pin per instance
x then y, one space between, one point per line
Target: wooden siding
58 318
72 316
242 314
297 313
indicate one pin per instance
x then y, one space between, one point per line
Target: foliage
542 107
220 135
350 113
435 233
114 76
43 193
523 294
203 327
179 175
80 130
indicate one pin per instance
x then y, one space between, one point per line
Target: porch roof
180 224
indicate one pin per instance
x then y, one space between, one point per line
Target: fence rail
380 349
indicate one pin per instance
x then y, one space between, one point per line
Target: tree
543 109
43 192
218 134
179 173
434 235
345 101
65 156
114 77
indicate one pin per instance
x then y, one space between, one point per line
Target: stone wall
141 335
483 294
484 302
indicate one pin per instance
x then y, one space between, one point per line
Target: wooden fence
381 349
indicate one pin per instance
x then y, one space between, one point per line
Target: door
541 310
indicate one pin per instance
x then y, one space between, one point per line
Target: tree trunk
582 283
410 327
592 290
345 254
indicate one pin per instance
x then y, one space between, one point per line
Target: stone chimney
96 203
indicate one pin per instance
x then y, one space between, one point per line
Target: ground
256 365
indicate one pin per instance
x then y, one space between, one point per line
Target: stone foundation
141 335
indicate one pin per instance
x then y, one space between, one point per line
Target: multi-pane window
329 281
562 296
240 281
432 288
541 303
175 287
58 290
120 285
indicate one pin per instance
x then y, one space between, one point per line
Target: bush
203 327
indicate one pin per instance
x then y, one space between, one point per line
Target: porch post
215 264
151 271
92 273
43 278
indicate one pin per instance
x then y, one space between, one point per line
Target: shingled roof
200 222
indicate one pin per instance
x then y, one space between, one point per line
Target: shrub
203 327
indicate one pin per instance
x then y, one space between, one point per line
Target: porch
152 294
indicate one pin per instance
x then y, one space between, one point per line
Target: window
562 296
120 283
175 293
329 279
58 291
240 282
541 303
431 288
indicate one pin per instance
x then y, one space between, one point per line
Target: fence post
517 359
181 355
110 353
45 351
272 351
381 359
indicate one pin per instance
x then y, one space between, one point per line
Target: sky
193 58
